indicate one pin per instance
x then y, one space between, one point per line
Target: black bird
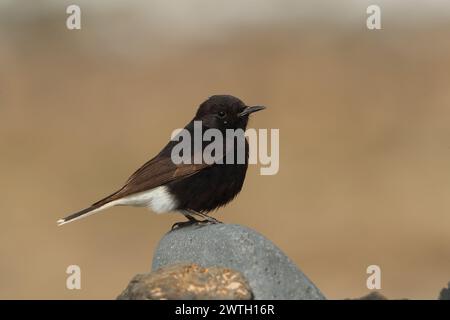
192 189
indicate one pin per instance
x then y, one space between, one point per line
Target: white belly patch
158 200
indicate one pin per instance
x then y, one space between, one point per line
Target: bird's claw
183 224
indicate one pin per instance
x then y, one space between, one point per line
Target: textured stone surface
445 293
269 272
188 282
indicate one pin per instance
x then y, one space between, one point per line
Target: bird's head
225 112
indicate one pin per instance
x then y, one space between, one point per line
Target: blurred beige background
363 116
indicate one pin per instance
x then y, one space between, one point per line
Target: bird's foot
183 224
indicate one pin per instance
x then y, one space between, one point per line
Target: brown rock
190 282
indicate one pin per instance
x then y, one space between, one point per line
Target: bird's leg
204 216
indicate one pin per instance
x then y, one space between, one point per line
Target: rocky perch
188 282
220 261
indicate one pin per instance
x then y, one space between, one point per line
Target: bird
191 188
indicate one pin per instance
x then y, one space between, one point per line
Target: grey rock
445 293
188 282
269 272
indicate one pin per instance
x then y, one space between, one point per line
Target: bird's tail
103 204
84 213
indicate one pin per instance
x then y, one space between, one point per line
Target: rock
373 296
188 282
445 293
269 272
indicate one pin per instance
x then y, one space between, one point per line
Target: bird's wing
156 172
159 171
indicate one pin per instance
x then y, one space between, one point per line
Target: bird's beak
249 110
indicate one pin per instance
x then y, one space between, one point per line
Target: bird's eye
221 114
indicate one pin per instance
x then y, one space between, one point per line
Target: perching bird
193 189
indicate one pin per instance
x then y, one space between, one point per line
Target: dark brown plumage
195 188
